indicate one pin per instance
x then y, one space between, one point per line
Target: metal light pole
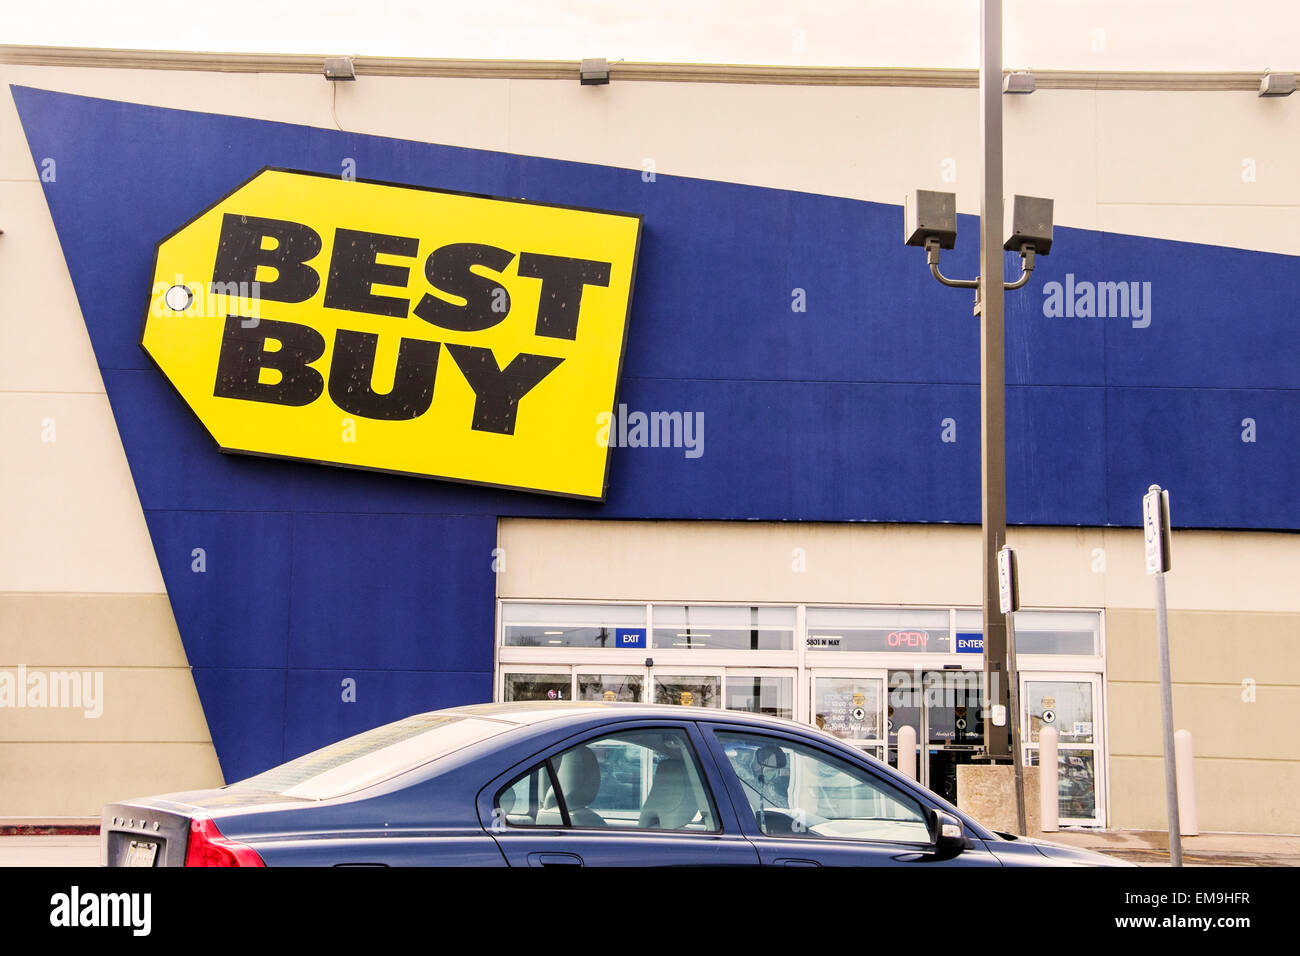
993 465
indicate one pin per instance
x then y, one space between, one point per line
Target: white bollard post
1187 822
1049 800
907 752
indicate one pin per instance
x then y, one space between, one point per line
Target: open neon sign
908 638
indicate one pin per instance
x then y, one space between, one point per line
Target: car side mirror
947 833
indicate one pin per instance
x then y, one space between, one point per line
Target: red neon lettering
908 638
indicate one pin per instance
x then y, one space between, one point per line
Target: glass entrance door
954 726
687 687
1070 703
609 684
943 707
851 705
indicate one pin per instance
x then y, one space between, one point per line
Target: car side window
638 779
795 790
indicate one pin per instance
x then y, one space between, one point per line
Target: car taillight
208 847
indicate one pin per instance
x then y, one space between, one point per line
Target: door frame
1100 783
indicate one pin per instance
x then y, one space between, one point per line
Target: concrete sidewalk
1151 847
49 850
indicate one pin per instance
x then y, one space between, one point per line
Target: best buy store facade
633 392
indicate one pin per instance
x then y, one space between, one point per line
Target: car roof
539 711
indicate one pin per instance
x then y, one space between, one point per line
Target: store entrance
943 707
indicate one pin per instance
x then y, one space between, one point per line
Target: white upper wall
1096 35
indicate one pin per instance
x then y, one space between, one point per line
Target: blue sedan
571 784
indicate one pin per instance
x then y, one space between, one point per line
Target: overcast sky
1043 34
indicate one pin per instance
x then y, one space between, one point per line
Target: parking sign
1155 529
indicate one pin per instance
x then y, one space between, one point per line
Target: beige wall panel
1221 723
1213 570
43 342
1057 566
1241 796
454 111
1189 148
89 630
135 704
885 564
1137 793
46 780
712 561
71 517
1050 149
53 758
1105 567
1271 228
1206 647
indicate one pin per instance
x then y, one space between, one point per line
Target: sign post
1155 528
1009 603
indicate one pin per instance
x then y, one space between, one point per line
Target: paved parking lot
1151 847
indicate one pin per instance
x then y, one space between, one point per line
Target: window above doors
645 627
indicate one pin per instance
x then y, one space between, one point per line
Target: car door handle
797 863
554 859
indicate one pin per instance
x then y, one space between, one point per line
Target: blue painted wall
315 574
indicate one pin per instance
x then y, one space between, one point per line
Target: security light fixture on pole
930 221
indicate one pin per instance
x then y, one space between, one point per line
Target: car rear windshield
372 756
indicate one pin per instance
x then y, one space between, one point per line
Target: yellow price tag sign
401 329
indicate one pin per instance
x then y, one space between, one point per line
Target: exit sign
630 637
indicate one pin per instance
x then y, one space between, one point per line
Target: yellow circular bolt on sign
401 329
